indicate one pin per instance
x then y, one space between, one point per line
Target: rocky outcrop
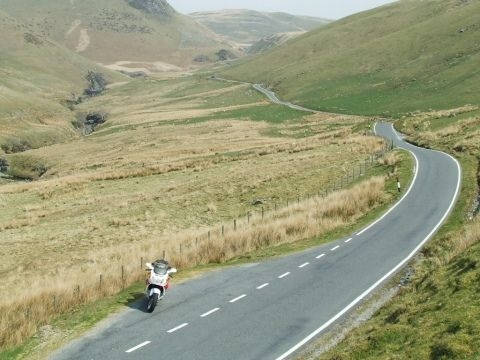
154 7
97 83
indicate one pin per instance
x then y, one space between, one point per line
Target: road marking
138 346
238 298
320 256
403 197
262 286
283 275
177 328
303 265
386 276
210 312
335 248
348 240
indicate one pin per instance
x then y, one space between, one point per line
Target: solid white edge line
177 328
303 265
348 240
320 256
399 201
386 276
283 275
237 298
210 312
262 286
138 346
335 248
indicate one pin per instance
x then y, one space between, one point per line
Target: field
177 158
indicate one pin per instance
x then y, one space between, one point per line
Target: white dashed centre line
177 328
238 298
320 256
348 240
262 286
303 265
335 248
138 346
283 275
210 312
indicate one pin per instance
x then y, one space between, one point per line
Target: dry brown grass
147 182
49 296
459 242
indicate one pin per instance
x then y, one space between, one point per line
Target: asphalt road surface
271 309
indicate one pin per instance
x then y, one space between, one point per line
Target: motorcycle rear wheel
152 303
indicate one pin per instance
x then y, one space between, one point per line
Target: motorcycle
158 282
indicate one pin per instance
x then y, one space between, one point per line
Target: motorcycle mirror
149 266
172 271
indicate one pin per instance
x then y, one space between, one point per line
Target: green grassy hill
36 76
140 33
411 55
245 27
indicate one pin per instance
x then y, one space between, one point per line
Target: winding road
271 309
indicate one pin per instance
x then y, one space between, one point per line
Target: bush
3 165
26 167
14 145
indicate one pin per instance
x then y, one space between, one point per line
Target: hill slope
245 27
271 41
398 58
36 75
110 31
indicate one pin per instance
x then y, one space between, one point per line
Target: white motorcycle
158 282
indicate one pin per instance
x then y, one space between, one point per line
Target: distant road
273 98
269 310
269 94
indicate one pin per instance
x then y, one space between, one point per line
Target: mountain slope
245 27
36 76
271 41
398 58
110 31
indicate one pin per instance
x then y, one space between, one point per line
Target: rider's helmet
161 267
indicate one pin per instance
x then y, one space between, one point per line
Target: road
269 310
273 98
268 93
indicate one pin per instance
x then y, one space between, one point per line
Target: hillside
245 27
271 41
36 76
394 59
146 34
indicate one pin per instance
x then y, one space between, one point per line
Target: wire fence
126 274
261 211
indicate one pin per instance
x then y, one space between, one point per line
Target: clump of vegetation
97 83
32 39
3 165
15 145
88 122
26 167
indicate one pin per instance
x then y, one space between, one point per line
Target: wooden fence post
235 224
